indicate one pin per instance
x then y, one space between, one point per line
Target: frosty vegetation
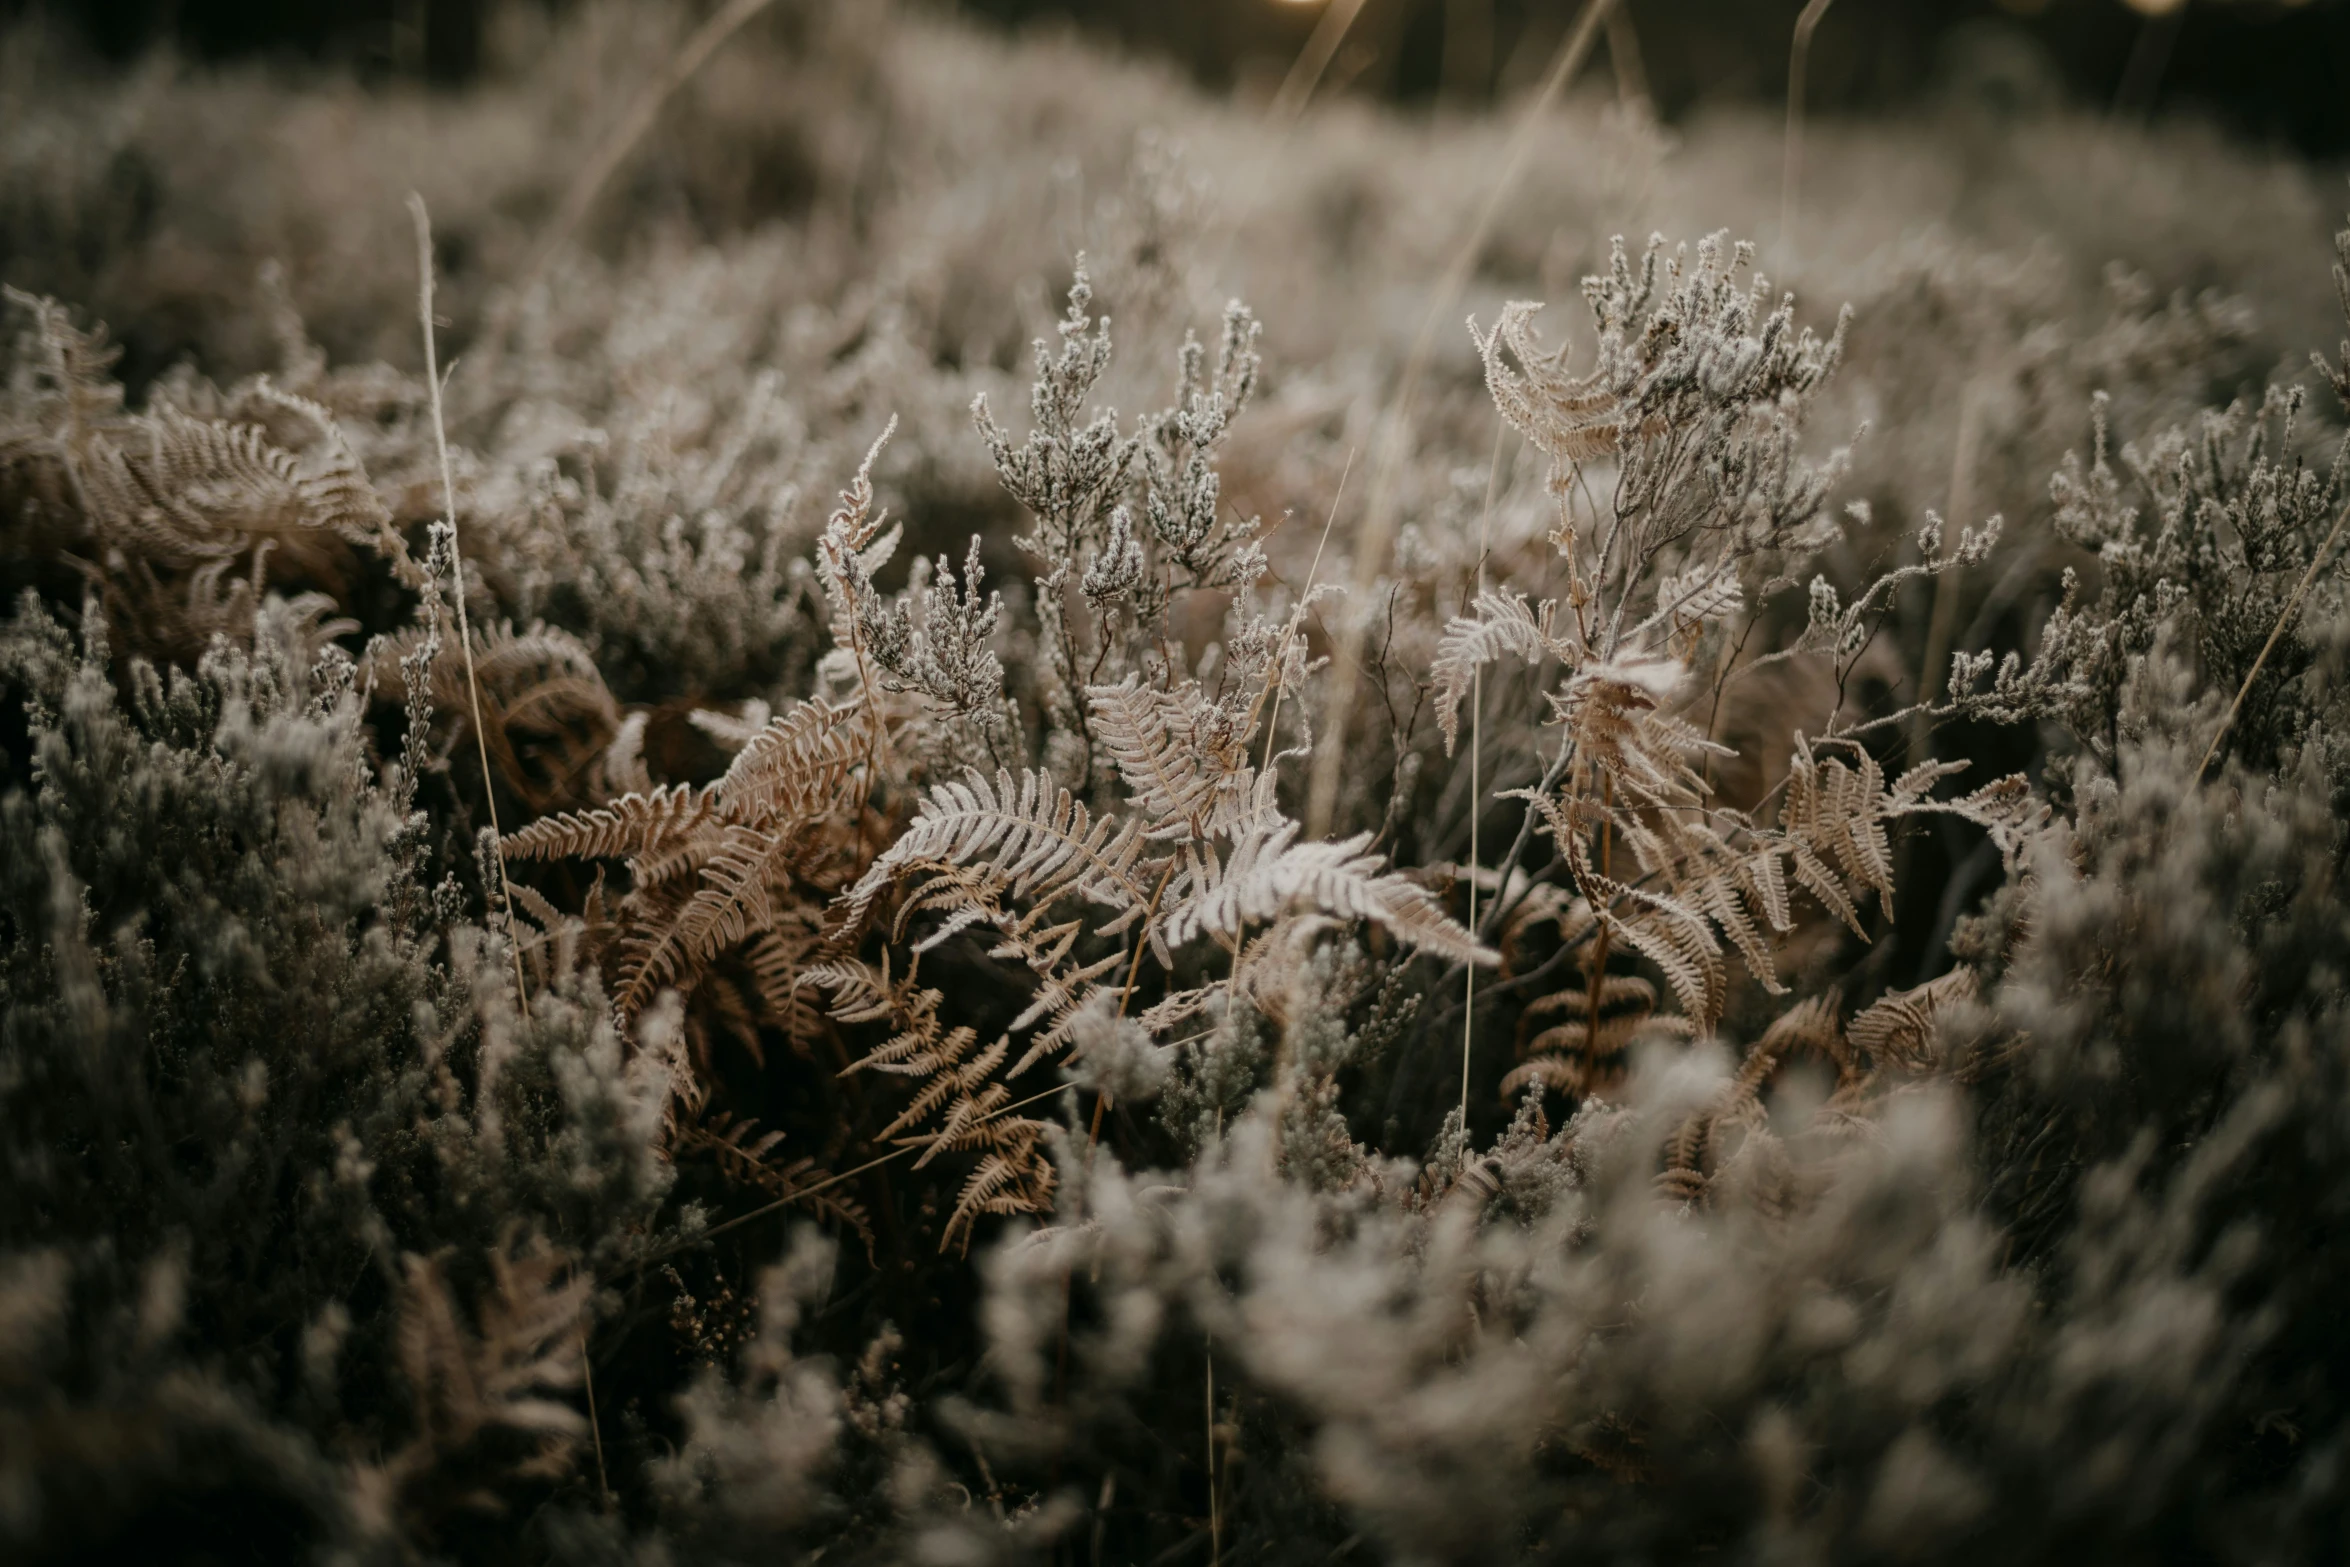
1817 1032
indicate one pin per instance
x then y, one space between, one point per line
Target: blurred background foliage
2276 70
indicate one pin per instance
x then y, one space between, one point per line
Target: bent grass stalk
1791 170
1305 72
440 436
1297 616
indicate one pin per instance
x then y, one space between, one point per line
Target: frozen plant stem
440 437
1607 870
1791 175
1945 603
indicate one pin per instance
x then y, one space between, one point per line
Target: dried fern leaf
635 826
1186 782
1268 873
1503 625
1900 1028
796 760
1039 839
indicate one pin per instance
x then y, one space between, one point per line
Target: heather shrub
771 960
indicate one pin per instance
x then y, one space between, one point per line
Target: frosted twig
1476 781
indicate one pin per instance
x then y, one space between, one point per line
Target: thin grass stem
632 125
1215 1499
1791 169
1305 72
440 436
1476 779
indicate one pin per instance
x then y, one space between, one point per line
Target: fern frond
1571 419
796 761
1696 1158
1899 1029
1503 625
1188 779
1007 1183
737 896
635 826
1043 843
1268 873
947 1076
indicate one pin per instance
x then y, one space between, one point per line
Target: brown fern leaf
776 958
547 716
735 897
1269 873
1899 1030
1570 419
2007 809
1675 937
1184 760
744 860
1040 841
961 1089
1830 810
195 512
1572 1059
1503 625
740 1150
862 993
796 761
503 1371
1617 720
256 460
1697 1154
1009 1180
641 828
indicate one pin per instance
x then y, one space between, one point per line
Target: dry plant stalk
440 437
1305 72
1807 22
1476 775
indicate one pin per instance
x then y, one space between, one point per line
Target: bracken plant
561 1003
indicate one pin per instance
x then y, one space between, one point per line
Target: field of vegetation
864 789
